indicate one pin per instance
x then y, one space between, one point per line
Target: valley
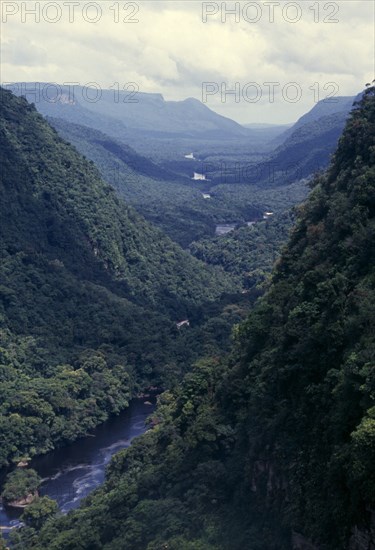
246 170
133 258
187 275
72 473
270 446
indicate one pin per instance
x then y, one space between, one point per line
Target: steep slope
324 108
300 151
89 295
122 246
308 358
307 149
136 162
278 446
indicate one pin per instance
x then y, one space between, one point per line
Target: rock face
364 539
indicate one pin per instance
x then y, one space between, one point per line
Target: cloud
25 53
171 51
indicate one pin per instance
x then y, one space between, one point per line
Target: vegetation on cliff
90 293
281 437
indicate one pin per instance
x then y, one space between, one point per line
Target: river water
225 228
71 473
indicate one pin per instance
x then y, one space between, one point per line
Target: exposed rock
23 502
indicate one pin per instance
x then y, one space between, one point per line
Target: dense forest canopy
90 293
274 447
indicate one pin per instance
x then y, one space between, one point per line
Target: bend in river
72 472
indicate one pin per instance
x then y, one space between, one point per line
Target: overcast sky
174 47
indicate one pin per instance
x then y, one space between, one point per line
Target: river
224 228
71 473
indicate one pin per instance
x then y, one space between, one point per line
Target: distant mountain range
308 145
130 117
120 114
301 150
155 127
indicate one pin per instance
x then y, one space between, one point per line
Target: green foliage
19 484
37 513
281 436
249 252
169 199
90 293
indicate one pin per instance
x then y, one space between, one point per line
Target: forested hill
275 450
90 292
58 205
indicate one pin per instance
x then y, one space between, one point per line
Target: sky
253 61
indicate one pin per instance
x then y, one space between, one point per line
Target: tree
39 511
20 484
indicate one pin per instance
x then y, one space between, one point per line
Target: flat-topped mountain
116 112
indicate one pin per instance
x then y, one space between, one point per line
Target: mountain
324 108
265 126
273 448
120 114
90 292
305 148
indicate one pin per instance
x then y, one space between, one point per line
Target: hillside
170 201
90 292
297 153
324 108
153 175
276 448
307 148
249 251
